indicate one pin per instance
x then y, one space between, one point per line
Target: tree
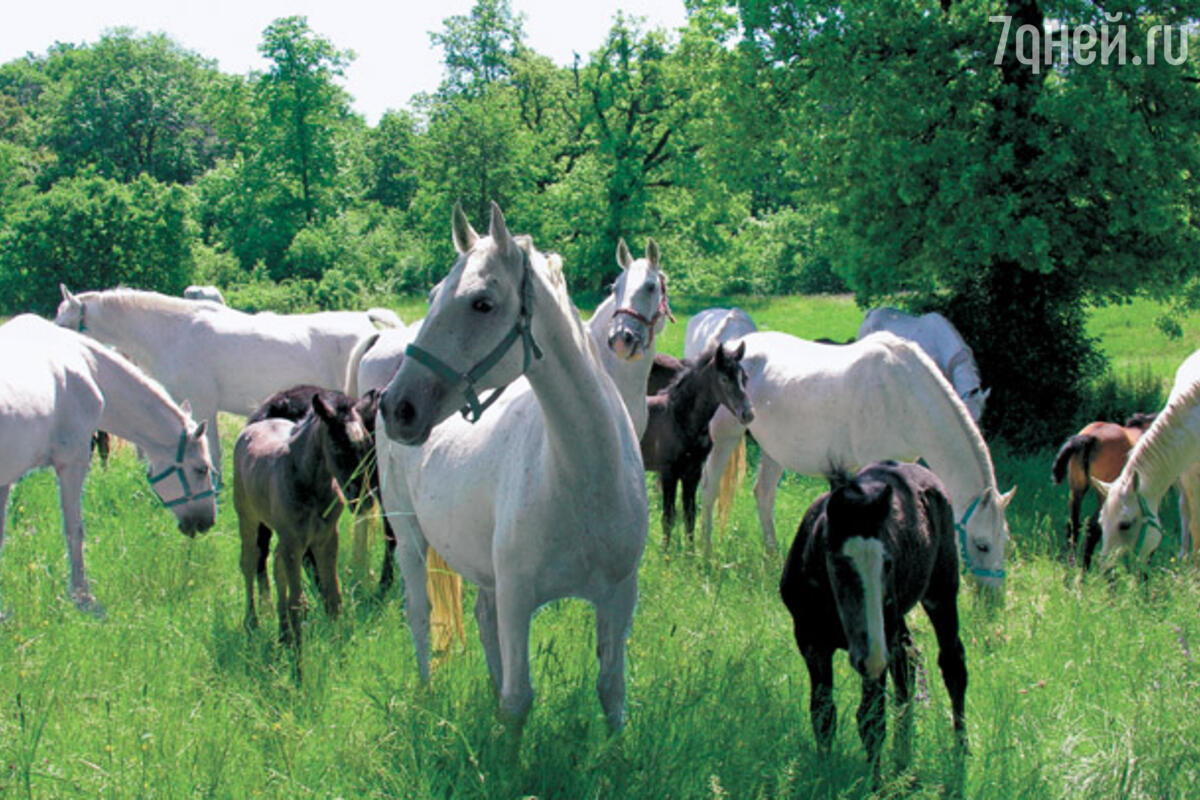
477 48
1005 196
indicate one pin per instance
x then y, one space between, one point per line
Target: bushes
90 233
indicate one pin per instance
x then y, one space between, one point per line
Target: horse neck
1170 446
693 399
575 393
138 332
306 448
952 445
135 406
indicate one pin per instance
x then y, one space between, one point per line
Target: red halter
664 310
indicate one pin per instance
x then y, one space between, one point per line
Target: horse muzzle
196 523
626 343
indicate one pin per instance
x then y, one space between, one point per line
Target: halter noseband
663 310
522 329
177 469
961 528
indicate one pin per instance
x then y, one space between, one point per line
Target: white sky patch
867 557
395 59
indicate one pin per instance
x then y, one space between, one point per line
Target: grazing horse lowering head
640 294
982 533
860 568
1129 524
345 443
478 334
182 478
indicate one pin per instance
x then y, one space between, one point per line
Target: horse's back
936 335
713 325
259 456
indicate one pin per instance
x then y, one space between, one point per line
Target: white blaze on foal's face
867 557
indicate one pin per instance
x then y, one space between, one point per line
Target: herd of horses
507 441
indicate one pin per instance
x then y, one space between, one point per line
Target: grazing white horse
715 325
56 389
204 293
544 496
624 326
941 341
1169 450
878 398
219 358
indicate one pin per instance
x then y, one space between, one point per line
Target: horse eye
482 305
202 470
649 286
1125 525
983 547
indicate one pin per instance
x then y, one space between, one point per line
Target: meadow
1079 686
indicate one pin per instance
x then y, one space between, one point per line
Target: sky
394 58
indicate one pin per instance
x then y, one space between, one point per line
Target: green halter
522 330
1149 520
177 469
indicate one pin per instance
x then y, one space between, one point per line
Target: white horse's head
477 335
182 477
640 295
71 312
1129 524
983 535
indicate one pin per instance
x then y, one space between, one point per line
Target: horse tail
444 586
384 318
1082 445
356 357
735 473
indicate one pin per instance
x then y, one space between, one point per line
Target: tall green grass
1078 687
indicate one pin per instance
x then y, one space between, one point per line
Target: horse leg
248 531
614 618
3 518
1093 539
515 605
1073 526
410 554
903 669
669 481
325 554
264 550
288 593
765 486
952 658
691 480
872 722
489 636
387 572
70 490
726 434
1189 510
821 708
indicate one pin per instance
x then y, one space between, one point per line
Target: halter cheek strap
961 528
1149 520
664 310
177 469
522 330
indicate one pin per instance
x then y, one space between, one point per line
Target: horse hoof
90 605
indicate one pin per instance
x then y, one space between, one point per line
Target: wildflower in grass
1183 643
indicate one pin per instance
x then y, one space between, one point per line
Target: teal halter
522 330
177 469
1149 520
961 528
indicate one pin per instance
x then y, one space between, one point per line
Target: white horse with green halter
942 342
539 497
56 389
625 324
219 358
878 398
1168 451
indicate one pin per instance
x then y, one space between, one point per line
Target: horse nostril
627 336
406 412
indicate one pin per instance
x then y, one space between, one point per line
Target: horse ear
624 257
323 409
1006 498
985 394
198 434
461 231
740 352
1137 481
66 294
497 228
1102 487
652 254
186 407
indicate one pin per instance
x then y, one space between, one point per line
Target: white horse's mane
959 413
98 353
1154 449
138 299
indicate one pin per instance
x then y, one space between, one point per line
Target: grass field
1078 687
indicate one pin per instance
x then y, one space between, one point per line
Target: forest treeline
904 150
